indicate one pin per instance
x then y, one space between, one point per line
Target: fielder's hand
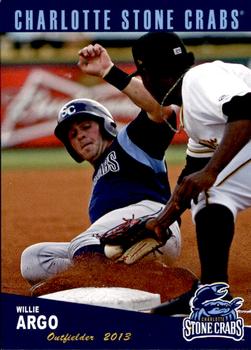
169 215
133 239
192 185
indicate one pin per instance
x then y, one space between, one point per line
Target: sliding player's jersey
133 168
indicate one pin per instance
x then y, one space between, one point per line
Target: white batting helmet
81 109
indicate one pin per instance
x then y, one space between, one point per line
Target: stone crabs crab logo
212 316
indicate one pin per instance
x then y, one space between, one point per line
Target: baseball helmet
80 109
161 53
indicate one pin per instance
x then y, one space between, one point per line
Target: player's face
158 86
86 139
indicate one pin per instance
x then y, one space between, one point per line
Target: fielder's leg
214 216
215 231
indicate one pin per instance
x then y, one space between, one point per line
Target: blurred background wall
39 74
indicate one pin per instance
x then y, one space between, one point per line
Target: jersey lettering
109 164
212 143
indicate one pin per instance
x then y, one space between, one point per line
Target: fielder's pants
232 187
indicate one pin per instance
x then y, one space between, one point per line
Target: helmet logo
68 110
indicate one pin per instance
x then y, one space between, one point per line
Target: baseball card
126 162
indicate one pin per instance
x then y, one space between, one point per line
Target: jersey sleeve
153 138
192 165
211 85
238 108
206 89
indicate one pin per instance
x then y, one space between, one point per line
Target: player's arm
94 60
237 133
136 91
200 173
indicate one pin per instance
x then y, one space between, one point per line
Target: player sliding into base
130 174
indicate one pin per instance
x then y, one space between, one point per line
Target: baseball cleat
34 289
179 306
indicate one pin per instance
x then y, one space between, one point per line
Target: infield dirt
51 205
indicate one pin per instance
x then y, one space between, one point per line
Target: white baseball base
114 297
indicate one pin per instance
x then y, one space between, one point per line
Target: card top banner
127 16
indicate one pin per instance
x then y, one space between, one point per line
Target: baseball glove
132 240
